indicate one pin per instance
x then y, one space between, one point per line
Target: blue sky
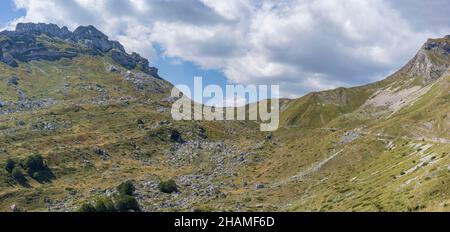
8 12
301 45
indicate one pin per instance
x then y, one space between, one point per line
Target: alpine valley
86 126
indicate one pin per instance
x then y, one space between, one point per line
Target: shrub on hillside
104 204
33 163
36 168
87 208
18 175
10 165
126 203
168 186
126 188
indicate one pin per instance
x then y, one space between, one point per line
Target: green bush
168 186
34 163
104 204
126 188
40 176
87 208
18 174
36 168
10 165
126 203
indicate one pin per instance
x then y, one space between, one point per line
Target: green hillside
99 117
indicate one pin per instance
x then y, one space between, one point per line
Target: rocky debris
103 97
14 208
146 82
50 126
3 104
26 105
391 100
193 190
102 153
269 136
260 186
113 69
351 136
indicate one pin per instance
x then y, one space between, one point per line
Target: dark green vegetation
168 186
124 201
101 117
33 165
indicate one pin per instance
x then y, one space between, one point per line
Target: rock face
23 45
51 30
7 59
95 39
432 61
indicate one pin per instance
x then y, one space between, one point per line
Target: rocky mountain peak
51 30
431 62
22 45
89 32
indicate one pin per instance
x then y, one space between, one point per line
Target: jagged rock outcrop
431 62
22 45
51 30
7 59
95 39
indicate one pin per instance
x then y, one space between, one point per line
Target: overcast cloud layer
302 45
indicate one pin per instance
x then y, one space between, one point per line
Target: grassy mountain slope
101 117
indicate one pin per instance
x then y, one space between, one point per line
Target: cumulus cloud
303 45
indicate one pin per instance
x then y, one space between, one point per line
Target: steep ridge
28 43
378 99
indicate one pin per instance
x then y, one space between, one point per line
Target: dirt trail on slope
314 168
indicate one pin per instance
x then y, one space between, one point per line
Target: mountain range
81 116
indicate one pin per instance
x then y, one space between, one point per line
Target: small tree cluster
126 188
10 165
36 168
124 202
33 165
168 186
16 172
18 175
103 204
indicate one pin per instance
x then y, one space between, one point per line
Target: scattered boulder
102 153
113 69
260 186
14 208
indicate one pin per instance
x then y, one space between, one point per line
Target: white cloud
303 45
